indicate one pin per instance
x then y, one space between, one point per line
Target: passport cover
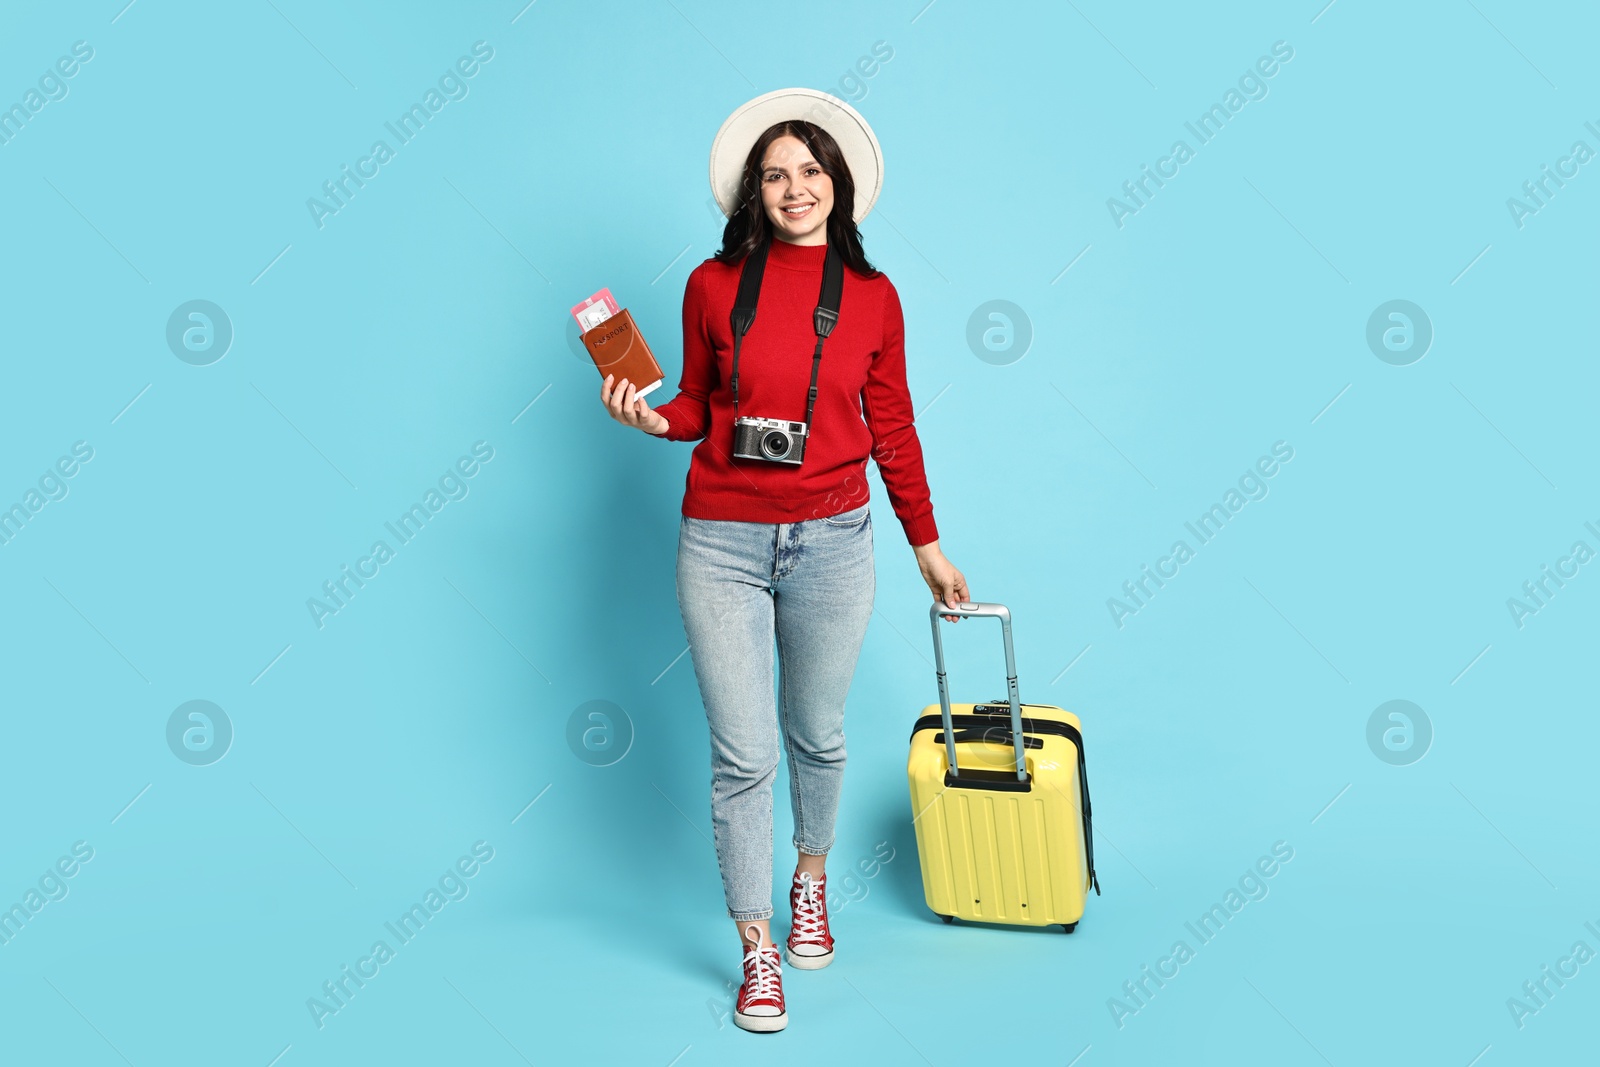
617 347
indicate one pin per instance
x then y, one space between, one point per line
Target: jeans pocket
853 517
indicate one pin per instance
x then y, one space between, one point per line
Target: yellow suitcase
1000 802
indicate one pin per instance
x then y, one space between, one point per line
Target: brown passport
617 347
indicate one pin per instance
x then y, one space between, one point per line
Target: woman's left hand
948 584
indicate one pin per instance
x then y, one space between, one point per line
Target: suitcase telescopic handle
979 610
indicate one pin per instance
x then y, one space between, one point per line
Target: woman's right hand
629 409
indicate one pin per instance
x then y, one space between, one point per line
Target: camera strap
822 320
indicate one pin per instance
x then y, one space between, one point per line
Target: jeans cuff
750 916
810 851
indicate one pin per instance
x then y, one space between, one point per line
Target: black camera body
773 440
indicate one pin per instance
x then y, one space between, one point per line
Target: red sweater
863 372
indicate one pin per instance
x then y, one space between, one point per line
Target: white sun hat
751 119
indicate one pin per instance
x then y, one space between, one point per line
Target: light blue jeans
811 585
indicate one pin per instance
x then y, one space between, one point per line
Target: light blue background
1228 314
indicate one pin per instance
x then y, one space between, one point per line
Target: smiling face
795 192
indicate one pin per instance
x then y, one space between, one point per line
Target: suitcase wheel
948 918
1068 927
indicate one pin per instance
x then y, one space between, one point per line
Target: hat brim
750 120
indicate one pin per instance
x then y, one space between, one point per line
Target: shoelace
761 975
810 922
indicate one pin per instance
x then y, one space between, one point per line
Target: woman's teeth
798 212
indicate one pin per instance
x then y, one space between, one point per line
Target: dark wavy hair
748 225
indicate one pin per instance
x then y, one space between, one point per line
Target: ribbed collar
807 258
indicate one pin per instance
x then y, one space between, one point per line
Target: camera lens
775 444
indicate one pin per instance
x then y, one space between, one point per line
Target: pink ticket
595 310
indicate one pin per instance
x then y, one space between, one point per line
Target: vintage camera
774 440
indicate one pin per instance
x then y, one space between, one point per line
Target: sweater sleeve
886 403
689 413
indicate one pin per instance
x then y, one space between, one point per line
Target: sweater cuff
920 530
670 435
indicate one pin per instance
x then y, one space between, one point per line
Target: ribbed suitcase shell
993 855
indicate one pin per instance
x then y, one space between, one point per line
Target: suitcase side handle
978 610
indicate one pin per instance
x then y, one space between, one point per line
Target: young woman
773 549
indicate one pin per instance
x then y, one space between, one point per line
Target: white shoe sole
807 963
761 1024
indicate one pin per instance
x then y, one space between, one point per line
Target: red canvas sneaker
810 943
759 1006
